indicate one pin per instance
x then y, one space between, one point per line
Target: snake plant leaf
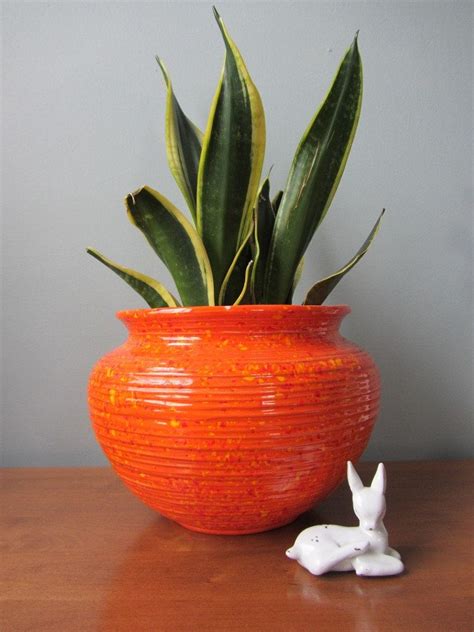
154 293
176 242
314 175
234 279
321 290
296 280
263 228
276 201
245 287
183 145
231 161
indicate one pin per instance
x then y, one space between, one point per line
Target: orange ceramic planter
233 420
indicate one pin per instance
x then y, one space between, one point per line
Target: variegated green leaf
276 201
231 161
246 287
183 145
154 293
314 176
234 279
263 227
321 290
176 242
296 280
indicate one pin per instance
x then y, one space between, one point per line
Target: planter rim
322 310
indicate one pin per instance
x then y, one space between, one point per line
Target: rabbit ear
379 481
353 478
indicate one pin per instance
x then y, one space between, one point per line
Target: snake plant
240 244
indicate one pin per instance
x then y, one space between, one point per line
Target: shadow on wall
422 405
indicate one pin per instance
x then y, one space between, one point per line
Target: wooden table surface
79 552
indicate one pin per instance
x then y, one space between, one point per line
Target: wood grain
79 552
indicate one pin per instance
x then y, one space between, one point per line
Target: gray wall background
83 121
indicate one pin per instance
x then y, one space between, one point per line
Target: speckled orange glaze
233 420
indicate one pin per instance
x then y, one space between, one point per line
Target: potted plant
229 409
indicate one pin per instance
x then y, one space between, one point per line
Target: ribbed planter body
233 420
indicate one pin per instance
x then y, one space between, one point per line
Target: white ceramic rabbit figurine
363 549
